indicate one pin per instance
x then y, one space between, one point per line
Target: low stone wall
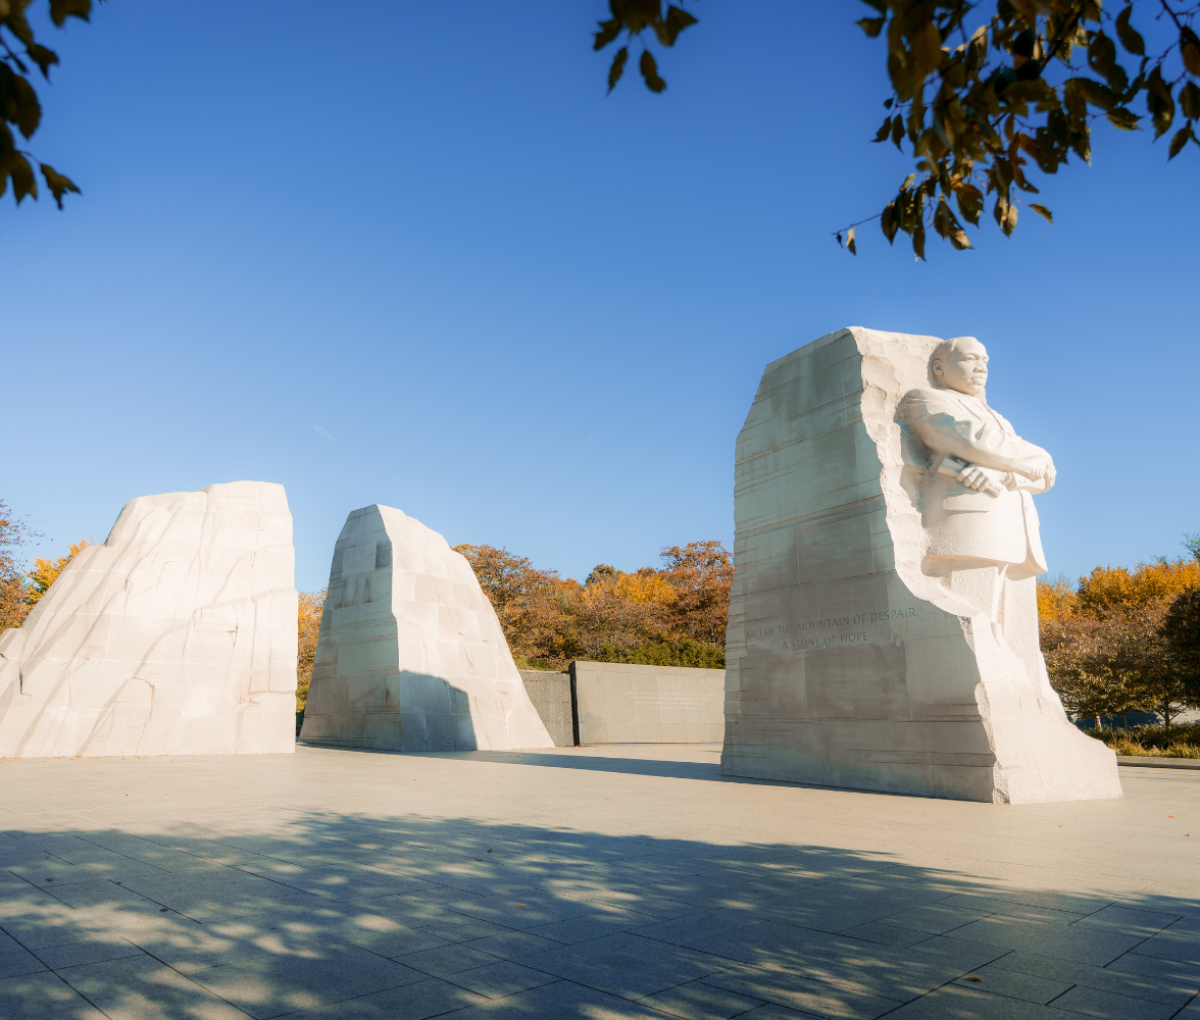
551 696
621 703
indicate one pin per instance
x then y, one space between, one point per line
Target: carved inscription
826 632
666 700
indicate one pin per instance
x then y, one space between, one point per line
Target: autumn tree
1116 589
701 574
1110 664
1056 599
507 580
621 611
14 532
981 92
1106 641
673 616
311 605
45 571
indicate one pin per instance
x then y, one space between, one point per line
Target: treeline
21 590
672 615
1121 641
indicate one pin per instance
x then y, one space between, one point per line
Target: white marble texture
883 625
176 636
411 656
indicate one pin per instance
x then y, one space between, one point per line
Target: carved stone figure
978 507
176 636
883 620
410 655
976 496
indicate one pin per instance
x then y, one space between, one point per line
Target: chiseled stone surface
177 636
628 703
883 622
410 655
579 884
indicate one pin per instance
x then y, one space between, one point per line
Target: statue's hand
975 477
1039 468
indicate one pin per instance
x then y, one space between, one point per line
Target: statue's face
965 369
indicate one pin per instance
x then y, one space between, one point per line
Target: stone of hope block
410 654
883 630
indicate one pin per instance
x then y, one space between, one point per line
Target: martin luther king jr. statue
976 498
883 630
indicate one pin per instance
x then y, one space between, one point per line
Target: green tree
1182 632
1192 544
20 110
1087 659
983 88
600 573
684 652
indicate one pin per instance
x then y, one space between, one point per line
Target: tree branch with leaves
983 89
634 18
976 106
20 109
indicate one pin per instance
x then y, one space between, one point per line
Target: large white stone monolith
410 655
176 636
883 626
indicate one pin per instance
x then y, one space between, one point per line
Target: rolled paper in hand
954 467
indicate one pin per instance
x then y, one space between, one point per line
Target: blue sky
412 254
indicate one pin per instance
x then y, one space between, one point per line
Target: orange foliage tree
674 615
14 532
312 603
1106 644
45 571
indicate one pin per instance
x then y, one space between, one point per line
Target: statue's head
960 364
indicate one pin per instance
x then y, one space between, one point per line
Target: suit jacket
963 524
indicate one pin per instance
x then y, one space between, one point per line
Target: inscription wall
623 703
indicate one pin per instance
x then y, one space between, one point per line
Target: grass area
1183 741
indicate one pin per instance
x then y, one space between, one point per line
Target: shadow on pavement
325 916
709 772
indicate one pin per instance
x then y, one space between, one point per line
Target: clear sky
410 253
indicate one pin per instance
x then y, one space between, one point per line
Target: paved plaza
602 882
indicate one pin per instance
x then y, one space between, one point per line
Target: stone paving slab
600 882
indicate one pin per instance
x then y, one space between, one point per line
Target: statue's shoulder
923 393
924 401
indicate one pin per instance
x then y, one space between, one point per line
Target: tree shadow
327 915
709 772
